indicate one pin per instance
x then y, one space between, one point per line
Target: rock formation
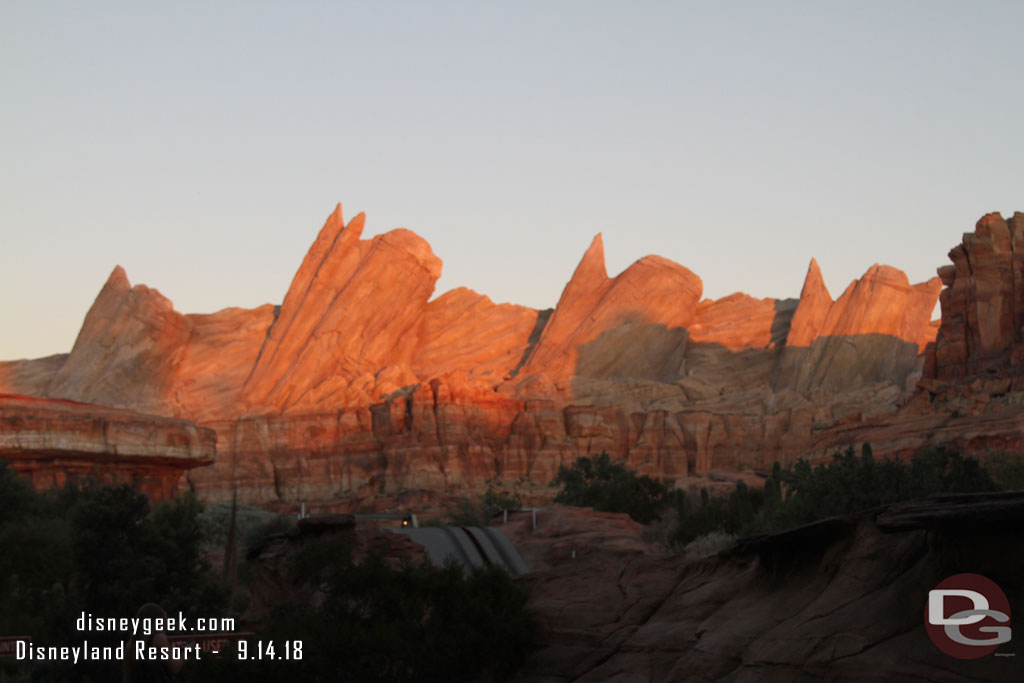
645 309
874 332
135 351
982 333
53 441
352 311
841 600
360 383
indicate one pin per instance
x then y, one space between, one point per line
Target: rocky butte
362 383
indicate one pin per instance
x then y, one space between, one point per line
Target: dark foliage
732 514
599 483
1007 469
480 512
803 493
850 483
98 550
380 623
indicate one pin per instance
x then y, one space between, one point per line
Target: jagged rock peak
592 264
118 280
813 281
811 311
353 307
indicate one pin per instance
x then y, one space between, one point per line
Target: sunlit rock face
982 332
631 326
363 381
53 442
135 351
873 333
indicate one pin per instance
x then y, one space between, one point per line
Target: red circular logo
967 616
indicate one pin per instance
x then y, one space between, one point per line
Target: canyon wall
841 599
363 383
53 442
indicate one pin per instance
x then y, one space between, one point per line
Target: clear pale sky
202 145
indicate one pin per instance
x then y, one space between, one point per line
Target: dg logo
968 616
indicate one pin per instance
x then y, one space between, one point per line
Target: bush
730 515
215 521
1007 469
800 494
710 544
608 487
255 536
850 483
99 550
380 623
482 511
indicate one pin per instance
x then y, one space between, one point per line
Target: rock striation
362 382
839 600
53 442
645 309
982 332
135 351
352 310
875 331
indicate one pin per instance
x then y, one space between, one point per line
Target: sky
202 145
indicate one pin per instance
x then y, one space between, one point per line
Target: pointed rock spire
333 226
352 308
118 280
592 263
812 310
354 229
589 276
813 281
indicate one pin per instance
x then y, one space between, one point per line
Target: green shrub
850 483
731 515
1007 469
599 483
480 512
802 493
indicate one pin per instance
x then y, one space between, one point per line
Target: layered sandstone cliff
362 382
982 333
54 441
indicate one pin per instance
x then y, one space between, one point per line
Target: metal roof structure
473 546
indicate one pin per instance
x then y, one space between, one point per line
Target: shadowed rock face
838 600
874 332
645 310
360 383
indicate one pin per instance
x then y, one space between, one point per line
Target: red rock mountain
363 382
982 333
645 309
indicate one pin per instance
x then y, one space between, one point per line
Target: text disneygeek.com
188 640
